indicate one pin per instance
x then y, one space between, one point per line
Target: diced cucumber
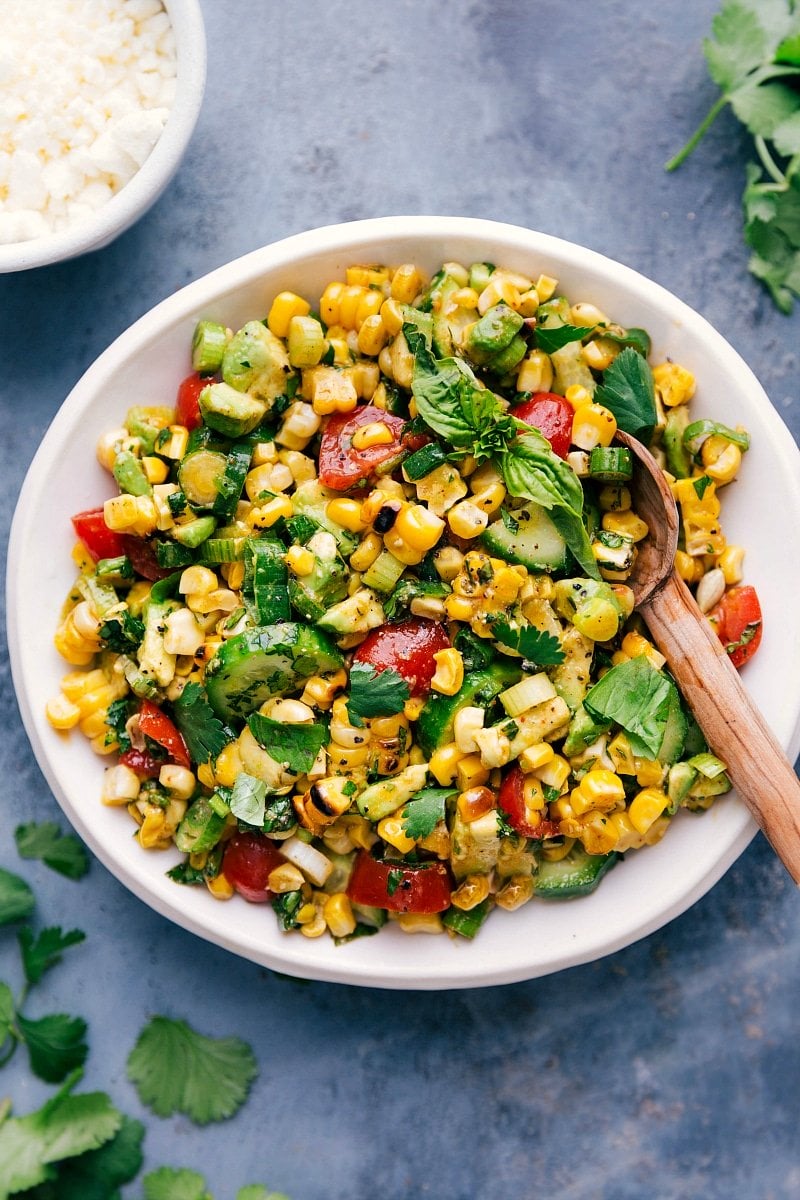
256 361
467 923
575 875
424 460
265 583
272 660
384 573
527 536
194 533
435 725
200 829
312 595
311 499
208 347
679 460
611 464
230 484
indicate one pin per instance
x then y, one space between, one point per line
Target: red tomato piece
552 416
407 648
340 465
142 763
248 860
187 406
156 724
739 623
143 557
99 540
399 887
511 799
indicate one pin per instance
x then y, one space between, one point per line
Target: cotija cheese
85 91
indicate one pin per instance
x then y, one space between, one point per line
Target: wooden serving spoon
732 725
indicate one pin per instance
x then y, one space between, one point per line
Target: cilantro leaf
123 634
7 1013
375 693
176 1069
248 799
256 1191
171 1183
16 898
65 1127
55 1044
739 44
629 392
424 811
61 852
98 1174
555 337
44 951
202 730
294 746
535 645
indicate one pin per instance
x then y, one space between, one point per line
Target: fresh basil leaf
294 746
638 697
248 799
550 339
629 392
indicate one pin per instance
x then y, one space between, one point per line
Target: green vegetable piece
375 693
147 423
552 337
424 460
62 852
130 476
310 500
115 571
640 699
16 898
535 645
208 347
265 584
295 747
200 829
171 1183
467 924
679 782
312 595
527 535
56 1045
509 358
611 464
231 483
577 874
629 392
491 333
231 412
256 361
679 461
44 951
435 725
172 555
193 533
584 730
200 475
217 550
695 434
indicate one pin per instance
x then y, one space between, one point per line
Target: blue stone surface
668 1070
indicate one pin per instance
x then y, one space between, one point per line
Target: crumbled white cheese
85 91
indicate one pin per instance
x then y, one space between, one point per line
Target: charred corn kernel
535 373
197 581
577 396
690 569
407 281
554 773
220 888
155 469
120 786
366 552
515 893
636 646
420 922
346 513
182 632
299 560
625 522
600 353
321 692
471 773
131 514
593 425
220 600
466 520
300 423
62 713
444 764
731 563
152 833
614 498
545 287
621 755
285 306
338 913
391 830
674 384
448 562
397 545
419 527
646 807
535 757
285 878
263 453
649 772
471 892
367 275
108 446
725 466
449 674
264 516
459 608
177 780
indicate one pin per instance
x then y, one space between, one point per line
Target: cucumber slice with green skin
200 475
527 536
576 875
272 660
218 550
231 483
435 725
265 583
200 829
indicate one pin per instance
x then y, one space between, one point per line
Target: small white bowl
761 511
134 199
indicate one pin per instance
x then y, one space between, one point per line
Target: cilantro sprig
294 746
375 693
424 812
754 58
62 852
202 730
535 645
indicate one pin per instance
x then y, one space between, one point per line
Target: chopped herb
247 801
629 392
393 880
202 730
123 633
504 827
62 852
555 338
748 633
536 646
551 794
510 523
424 811
700 485
375 693
286 907
42 952
293 746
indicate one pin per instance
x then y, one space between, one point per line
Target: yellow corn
600 353
646 807
690 569
419 527
285 306
367 276
397 545
372 335
471 892
155 469
554 773
723 466
299 560
444 764
220 888
228 765
347 513
391 314
449 674
329 389
490 498
577 396
120 786
593 425
649 772
366 552
407 281
420 922
264 516
535 373
152 833
636 646
338 914
62 713
390 829
620 753
459 608
674 384
285 878
600 789
321 692
515 893
534 757
731 563
614 497
131 514
470 772
625 522
466 520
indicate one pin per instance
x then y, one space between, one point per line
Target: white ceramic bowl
144 188
762 511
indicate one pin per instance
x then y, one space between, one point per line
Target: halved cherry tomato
552 416
407 648
399 887
340 465
156 724
99 540
143 557
246 864
739 623
144 764
511 799
187 407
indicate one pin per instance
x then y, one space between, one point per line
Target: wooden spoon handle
734 728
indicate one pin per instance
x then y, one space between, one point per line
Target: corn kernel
300 561
636 646
347 513
407 281
646 807
285 306
397 545
444 764
554 773
534 757
419 527
545 287
220 888
471 773
625 522
674 384
120 786
448 562
471 892
649 772
725 466
264 516
391 830
535 373
420 922
731 563
449 674
338 913
577 396
62 713
466 520
593 425
155 469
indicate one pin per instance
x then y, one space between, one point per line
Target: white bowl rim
297 956
143 188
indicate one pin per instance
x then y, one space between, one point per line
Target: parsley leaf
248 799
62 852
256 1191
202 730
424 811
294 746
44 951
554 337
171 1183
536 646
55 1044
65 1127
98 1174
375 693
123 634
638 339
176 1069
16 898
393 880
629 392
